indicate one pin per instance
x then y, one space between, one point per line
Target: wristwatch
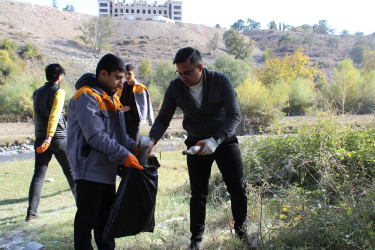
218 140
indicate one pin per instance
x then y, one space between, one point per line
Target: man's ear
200 67
103 73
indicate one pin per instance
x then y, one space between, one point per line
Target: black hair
130 67
188 54
53 71
110 63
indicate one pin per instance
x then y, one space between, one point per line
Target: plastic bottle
192 150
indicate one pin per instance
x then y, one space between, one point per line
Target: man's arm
57 106
164 117
231 108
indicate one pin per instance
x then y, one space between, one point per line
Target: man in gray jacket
211 115
97 145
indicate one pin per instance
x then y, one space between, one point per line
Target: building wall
141 10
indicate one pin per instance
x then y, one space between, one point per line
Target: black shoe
196 245
31 217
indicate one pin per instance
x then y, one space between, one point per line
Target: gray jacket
97 141
218 116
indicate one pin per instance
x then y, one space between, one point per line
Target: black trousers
229 162
94 201
132 129
57 148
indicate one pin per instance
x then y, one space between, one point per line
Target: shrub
16 99
301 97
316 185
259 104
351 92
156 95
31 52
236 69
164 73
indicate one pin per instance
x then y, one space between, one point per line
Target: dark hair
110 63
53 71
188 54
130 67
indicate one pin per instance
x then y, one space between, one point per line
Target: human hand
209 146
44 146
132 162
126 108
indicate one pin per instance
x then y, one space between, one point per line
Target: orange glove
44 147
132 162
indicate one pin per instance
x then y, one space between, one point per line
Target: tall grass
309 188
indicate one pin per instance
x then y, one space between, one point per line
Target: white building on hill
170 11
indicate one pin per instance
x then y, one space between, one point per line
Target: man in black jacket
211 115
50 133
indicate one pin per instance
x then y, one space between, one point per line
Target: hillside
55 33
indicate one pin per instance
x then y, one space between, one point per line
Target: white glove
209 146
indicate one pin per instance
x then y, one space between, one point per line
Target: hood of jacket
89 79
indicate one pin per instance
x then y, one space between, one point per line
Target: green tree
306 28
213 43
321 28
239 25
145 70
54 4
344 93
217 26
6 64
358 33
272 25
69 7
236 69
285 38
253 25
309 40
96 33
301 96
238 45
164 73
156 95
368 61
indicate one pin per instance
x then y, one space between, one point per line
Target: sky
354 16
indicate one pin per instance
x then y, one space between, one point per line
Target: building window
132 11
103 4
138 11
121 10
115 10
165 12
178 13
143 11
149 12
103 11
177 7
127 11
159 12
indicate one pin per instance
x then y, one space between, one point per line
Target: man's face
190 74
130 76
113 80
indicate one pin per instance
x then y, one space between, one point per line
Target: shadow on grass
20 200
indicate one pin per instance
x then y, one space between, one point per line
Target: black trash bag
133 210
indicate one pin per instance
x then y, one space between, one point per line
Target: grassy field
54 228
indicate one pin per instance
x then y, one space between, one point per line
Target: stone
34 246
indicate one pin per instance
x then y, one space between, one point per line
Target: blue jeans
229 162
57 148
